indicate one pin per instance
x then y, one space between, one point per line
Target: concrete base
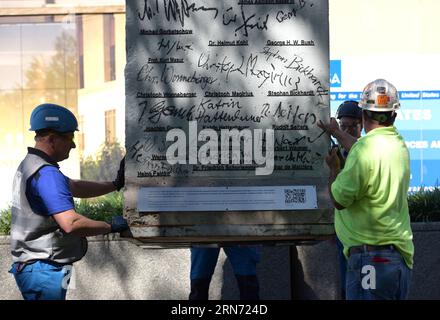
118 269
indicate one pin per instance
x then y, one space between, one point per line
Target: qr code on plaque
295 195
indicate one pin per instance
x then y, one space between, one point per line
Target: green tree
106 164
60 72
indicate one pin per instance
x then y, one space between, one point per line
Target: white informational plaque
227 198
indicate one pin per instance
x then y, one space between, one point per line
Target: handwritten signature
249 68
286 141
180 10
207 111
247 22
174 10
169 75
168 46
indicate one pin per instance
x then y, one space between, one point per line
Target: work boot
199 289
249 288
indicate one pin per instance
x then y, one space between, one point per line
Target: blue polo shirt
48 190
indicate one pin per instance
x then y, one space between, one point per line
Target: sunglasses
345 126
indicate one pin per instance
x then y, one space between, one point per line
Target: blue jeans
342 267
42 280
243 260
377 275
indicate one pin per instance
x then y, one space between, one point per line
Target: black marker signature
174 10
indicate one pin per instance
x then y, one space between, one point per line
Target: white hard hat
380 96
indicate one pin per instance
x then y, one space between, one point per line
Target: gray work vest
34 236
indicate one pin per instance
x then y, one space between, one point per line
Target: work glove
118 224
334 159
340 157
119 182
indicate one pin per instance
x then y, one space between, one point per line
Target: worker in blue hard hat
347 132
47 235
349 115
349 128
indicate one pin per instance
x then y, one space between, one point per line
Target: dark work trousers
244 261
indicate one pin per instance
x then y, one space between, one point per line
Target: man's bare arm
78 225
331 179
90 189
334 165
345 139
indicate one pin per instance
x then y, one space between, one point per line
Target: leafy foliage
101 208
424 205
5 221
106 164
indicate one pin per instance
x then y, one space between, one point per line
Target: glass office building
67 52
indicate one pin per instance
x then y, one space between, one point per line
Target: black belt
19 266
368 248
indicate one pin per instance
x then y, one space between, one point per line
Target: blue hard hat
53 116
349 109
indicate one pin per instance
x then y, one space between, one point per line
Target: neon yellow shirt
373 189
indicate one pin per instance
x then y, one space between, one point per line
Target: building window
80 39
81 136
110 126
109 47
